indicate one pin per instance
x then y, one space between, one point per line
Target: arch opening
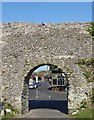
47 88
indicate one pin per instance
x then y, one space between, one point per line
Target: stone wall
26 45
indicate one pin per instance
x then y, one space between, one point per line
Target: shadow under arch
62 105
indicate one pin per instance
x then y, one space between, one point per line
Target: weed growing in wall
91 30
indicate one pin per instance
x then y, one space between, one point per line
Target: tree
55 69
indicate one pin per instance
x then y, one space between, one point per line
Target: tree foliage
55 68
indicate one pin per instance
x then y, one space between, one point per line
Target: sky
45 67
47 0
46 12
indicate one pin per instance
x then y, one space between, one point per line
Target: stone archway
74 72
25 107
26 45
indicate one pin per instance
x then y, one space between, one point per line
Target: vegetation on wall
91 30
83 104
7 105
86 61
92 98
87 66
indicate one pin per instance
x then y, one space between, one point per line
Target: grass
87 113
7 105
8 115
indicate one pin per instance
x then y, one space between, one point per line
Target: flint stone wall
26 45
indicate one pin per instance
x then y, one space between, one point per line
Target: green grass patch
87 113
8 115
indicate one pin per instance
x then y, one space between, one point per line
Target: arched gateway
25 92
27 45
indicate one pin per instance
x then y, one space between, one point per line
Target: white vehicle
31 81
32 86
